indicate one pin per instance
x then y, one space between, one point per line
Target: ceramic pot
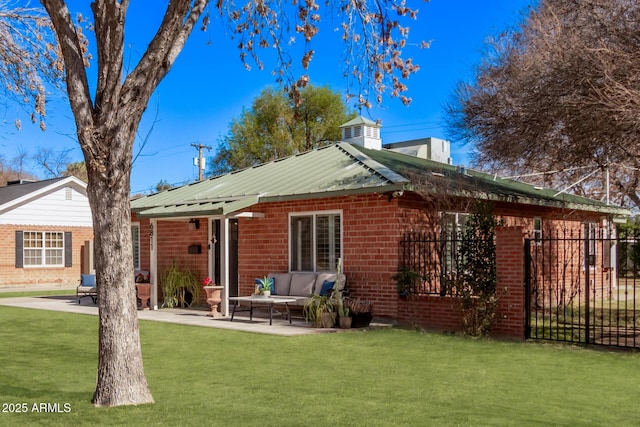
143 292
214 297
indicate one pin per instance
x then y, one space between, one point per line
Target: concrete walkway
194 317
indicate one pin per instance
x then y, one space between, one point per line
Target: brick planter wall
443 313
510 266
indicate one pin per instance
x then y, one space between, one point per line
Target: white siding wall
56 208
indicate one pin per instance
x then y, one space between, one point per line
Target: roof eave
611 210
336 193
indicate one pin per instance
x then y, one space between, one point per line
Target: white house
43 229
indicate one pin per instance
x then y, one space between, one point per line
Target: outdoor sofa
301 286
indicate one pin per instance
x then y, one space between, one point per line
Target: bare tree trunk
106 130
121 379
107 122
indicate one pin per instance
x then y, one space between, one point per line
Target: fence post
510 266
527 288
587 290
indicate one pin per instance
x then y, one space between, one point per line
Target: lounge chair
87 287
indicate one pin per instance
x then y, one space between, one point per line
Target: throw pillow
326 288
88 279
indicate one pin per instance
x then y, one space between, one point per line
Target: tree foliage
29 58
77 169
477 283
560 95
276 127
163 185
108 111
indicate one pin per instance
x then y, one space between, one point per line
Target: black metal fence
581 287
431 263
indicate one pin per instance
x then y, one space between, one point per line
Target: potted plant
143 290
361 311
179 287
344 318
265 284
320 311
213 296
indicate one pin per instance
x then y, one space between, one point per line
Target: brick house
43 229
351 200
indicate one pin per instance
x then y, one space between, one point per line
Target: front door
218 258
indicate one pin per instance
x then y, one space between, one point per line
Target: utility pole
199 161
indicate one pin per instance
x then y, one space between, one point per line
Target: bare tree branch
561 92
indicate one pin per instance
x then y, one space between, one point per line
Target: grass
204 376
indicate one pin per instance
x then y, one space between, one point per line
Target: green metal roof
333 170
342 169
455 180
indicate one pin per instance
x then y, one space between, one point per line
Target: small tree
108 106
276 126
555 99
477 283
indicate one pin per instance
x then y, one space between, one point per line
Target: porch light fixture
395 194
194 224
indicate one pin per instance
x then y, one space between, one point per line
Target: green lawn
205 376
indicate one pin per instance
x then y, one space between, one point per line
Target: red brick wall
510 269
10 275
370 244
174 239
372 227
443 313
431 312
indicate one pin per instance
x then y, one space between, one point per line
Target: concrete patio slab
193 317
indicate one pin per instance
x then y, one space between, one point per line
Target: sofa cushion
87 279
302 284
326 288
282 283
330 277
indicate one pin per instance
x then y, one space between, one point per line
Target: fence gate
581 288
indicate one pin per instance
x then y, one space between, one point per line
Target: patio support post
153 261
225 267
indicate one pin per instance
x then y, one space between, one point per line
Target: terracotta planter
144 294
345 322
327 320
214 298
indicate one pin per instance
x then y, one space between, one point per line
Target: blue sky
208 86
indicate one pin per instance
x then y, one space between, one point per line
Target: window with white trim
537 230
452 224
135 244
43 248
315 241
591 233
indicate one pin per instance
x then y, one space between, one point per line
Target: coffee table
262 301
